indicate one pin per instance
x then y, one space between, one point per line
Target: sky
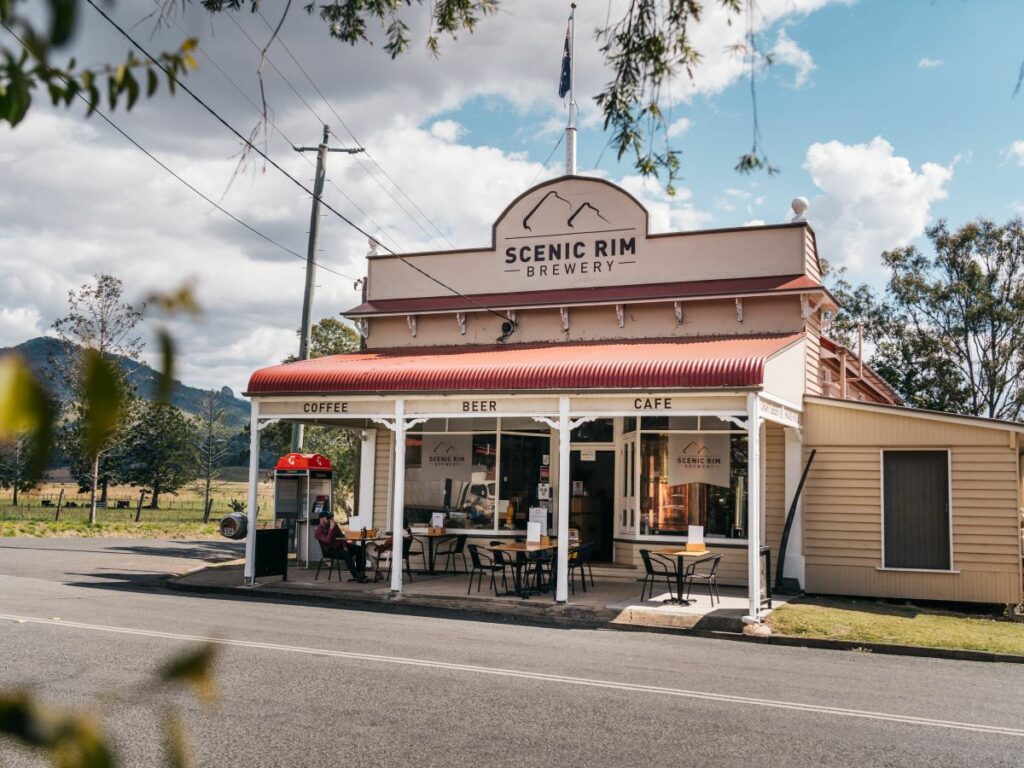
886 116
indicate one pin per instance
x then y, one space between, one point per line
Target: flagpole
570 130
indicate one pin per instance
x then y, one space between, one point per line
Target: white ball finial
799 206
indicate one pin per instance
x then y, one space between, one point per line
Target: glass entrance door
592 498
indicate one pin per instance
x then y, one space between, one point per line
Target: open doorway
592 505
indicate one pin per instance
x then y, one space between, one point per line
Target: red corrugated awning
685 363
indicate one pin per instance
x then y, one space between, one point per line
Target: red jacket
330 537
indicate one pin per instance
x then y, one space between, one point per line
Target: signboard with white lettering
779 413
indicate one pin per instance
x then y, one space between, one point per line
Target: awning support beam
254 477
753 509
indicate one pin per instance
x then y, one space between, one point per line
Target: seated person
329 534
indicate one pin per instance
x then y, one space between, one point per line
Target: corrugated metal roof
670 364
619 294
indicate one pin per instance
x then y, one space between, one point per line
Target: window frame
949 506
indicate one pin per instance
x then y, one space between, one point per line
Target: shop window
693 479
430 425
526 463
629 424
669 422
523 424
453 474
596 431
915 509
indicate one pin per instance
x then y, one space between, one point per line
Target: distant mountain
47 356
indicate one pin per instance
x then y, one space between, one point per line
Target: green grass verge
873 622
73 528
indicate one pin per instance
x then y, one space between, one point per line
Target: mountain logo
553 209
446 455
697 455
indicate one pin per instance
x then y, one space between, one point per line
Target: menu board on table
539 515
695 538
533 533
437 520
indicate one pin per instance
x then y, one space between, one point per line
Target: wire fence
119 507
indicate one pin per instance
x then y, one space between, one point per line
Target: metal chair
655 567
485 563
710 577
332 560
579 560
453 549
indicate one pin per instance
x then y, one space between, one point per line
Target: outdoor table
356 537
433 539
521 549
680 554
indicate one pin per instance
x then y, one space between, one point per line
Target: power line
157 160
322 121
348 130
277 167
551 154
282 134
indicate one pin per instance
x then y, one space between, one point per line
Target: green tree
160 455
15 466
99 327
212 438
948 330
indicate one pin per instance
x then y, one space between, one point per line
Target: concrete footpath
611 601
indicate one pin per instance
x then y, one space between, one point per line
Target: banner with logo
699 459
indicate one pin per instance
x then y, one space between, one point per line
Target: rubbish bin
234 526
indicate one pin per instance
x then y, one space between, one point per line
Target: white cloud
786 51
679 127
146 228
448 131
667 214
754 223
871 199
927 63
1015 152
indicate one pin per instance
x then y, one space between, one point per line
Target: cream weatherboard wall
843 504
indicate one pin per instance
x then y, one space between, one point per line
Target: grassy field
184 508
874 622
81 528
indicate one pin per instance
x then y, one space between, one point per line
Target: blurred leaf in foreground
25 409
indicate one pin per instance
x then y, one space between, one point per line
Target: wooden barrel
234 526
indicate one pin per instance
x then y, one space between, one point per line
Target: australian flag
565 82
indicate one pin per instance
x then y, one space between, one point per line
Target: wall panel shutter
916 509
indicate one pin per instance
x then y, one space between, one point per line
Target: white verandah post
754 508
562 583
398 498
254 476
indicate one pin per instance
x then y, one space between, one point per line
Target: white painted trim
915 570
949 506
253 500
398 482
793 466
754 505
367 473
586 304
565 426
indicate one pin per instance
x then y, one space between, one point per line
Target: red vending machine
302 489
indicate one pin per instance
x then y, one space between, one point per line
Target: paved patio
613 599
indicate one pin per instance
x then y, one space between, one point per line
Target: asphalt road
314 686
